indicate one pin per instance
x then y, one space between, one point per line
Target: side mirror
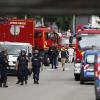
79 38
29 55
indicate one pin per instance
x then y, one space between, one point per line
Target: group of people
65 55
35 62
23 61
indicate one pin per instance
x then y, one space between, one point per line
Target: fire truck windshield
50 35
14 49
89 40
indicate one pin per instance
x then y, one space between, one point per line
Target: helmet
36 51
23 51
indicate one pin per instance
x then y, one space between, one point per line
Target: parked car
87 69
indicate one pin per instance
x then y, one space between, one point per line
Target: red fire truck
24 31
17 30
45 37
86 38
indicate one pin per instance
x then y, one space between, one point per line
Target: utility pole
74 25
42 21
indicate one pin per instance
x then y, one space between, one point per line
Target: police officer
3 68
36 64
53 54
22 68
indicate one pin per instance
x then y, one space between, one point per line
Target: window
90 59
38 34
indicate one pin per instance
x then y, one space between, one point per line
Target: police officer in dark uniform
36 64
22 68
3 68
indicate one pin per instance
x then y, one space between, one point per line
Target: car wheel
97 98
81 81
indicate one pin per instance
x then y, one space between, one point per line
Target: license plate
90 73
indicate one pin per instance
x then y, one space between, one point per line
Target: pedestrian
22 68
36 64
63 57
3 68
53 54
71 54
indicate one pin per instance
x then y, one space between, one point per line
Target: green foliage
63 22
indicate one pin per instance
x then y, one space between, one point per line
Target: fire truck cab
14 49
44 38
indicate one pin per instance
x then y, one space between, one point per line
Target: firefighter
22 68
36 64
3 68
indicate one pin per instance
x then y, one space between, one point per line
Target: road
54 85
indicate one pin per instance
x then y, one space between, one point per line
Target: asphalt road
54 85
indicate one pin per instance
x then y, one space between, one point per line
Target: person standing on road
53 54
3 68
63 57
71 54
22 68
36 64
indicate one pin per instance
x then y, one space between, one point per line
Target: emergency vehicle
13 50
17 30
45 37
87 69
86 38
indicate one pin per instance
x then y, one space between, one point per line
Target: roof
94 31
98 53
43 29
91 51
14 43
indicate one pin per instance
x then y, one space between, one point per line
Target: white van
14 49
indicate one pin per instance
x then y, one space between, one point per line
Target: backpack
36 61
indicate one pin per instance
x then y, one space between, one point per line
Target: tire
96 95
81 81
97 98
77 78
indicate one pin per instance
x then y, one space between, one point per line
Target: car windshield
14 49
89 40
